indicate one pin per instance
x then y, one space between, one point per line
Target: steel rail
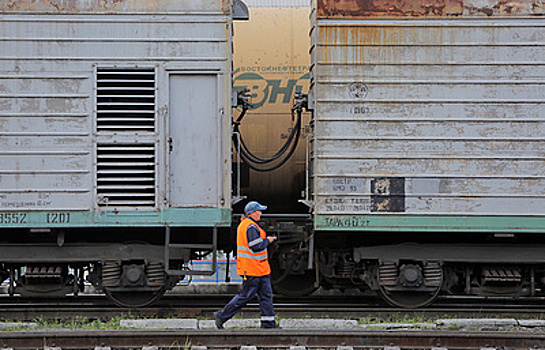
191 306
268 338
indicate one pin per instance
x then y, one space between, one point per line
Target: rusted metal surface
114 6
427 8
438 116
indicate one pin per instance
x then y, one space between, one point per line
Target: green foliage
80 322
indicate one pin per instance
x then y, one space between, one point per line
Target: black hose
282 162
255 159
250 159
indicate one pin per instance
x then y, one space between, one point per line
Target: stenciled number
13 218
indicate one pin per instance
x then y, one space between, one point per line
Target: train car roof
277 3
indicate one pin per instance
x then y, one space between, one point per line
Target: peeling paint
428 8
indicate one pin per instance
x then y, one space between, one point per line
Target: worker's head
252 207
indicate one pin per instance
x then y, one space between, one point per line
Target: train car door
194 131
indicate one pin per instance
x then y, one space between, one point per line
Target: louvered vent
126 159
125 99
126 175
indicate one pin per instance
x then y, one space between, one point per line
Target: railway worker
253 266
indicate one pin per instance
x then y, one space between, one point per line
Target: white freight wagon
114 127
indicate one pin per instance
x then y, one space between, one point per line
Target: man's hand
271 238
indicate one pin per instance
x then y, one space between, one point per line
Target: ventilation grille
126 175
125 99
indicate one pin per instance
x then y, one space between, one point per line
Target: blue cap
253 206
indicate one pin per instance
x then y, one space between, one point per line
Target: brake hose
291 143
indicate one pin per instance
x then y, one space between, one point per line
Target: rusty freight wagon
115 146
427 163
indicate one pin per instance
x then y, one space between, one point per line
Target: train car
426 163
115 143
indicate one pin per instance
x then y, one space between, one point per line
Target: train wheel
410 285
134 299
290 283
294 285
407 299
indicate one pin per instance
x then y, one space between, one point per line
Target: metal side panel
45 139
174 217
84 100
73 253
455 253
429 223
430 119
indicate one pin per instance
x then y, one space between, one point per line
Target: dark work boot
217 319
270 325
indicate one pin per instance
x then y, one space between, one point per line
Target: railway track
276 339
294 335
203 305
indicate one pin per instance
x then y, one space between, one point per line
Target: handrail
306 201
238 197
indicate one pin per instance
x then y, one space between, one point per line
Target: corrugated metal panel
429 117
37 111
66 142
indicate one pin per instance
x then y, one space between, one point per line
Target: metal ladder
212 246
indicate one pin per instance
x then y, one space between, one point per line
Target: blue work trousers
250 287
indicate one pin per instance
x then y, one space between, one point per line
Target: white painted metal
195 167
56 131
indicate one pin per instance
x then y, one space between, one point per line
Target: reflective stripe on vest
255 241
250 254
250 263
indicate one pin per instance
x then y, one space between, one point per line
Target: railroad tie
149 347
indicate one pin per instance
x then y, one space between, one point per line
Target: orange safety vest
250 263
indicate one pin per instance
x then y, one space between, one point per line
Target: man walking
253 266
